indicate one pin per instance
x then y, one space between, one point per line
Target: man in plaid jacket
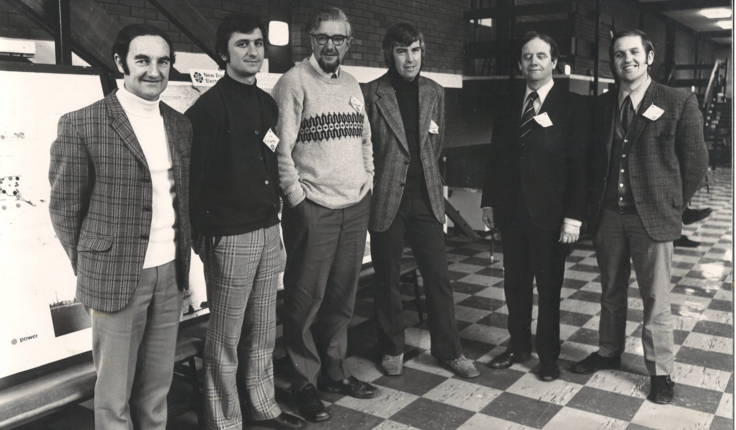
119 204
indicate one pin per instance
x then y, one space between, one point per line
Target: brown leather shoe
595 362
350 387
508 358
663 390
310 405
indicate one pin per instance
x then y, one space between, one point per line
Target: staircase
716 109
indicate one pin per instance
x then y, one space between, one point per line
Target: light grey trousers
133 351
620 239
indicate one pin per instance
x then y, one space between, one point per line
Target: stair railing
712 86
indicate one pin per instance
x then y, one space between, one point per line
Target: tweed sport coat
101 199
550 161
667 163
391 150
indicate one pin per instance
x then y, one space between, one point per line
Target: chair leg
418 296
199 407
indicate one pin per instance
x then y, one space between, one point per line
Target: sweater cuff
296 197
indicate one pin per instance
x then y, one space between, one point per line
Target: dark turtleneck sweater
407 95
234 175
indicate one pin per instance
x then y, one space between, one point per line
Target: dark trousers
415 221
324 249
531 253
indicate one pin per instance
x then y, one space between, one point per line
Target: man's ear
119 63
650 58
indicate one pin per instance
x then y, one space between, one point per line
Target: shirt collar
637 94
315 64
541 92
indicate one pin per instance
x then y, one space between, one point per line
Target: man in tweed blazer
647 162
407 116
119 204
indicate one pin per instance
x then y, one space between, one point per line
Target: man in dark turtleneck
234 205
407 116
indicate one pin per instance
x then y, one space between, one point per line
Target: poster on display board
40 320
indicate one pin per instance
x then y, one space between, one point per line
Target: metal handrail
712 82
671 74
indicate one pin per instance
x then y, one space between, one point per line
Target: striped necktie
526 125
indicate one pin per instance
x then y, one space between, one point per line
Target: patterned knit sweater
325 152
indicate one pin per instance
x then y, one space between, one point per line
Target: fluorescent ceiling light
485 22
278 33
714 13
726 25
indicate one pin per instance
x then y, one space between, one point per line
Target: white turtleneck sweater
148 126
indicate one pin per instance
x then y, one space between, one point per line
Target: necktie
627 114
526 118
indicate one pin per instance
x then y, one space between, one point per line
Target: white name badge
543 120
271 140
356 104
653 113
433 127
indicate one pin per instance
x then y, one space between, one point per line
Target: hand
488 217
569 233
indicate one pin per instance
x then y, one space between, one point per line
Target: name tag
653 113
433 127
543 120
356 104
271 140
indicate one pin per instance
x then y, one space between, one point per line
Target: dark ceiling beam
92 30
716 33
190 22
523 10
670 6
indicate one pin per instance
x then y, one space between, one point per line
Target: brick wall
440 20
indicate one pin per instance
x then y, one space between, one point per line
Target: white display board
40 322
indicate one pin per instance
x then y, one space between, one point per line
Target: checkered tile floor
431 398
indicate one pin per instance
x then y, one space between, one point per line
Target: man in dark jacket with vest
234 213
647 162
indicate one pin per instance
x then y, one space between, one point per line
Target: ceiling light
726 25
714 13
278 33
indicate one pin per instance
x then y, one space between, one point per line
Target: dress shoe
595 362
310 405
392 365
694 215
462 367
508 358
549 371
684 242
283 422
350 387
663 389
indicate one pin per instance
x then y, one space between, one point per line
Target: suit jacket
546 168
101 199
667 163
391 150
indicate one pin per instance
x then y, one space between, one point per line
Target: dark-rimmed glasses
322 39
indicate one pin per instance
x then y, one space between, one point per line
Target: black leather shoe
549 371
684 242
594 363
694 215
507 358
663 390
310 406
283 422
350 387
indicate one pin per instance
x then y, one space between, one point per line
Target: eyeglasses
322 39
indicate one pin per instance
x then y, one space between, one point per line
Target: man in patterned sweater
325 160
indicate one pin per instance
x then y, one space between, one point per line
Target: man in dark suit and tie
648 160
120 206
535 193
